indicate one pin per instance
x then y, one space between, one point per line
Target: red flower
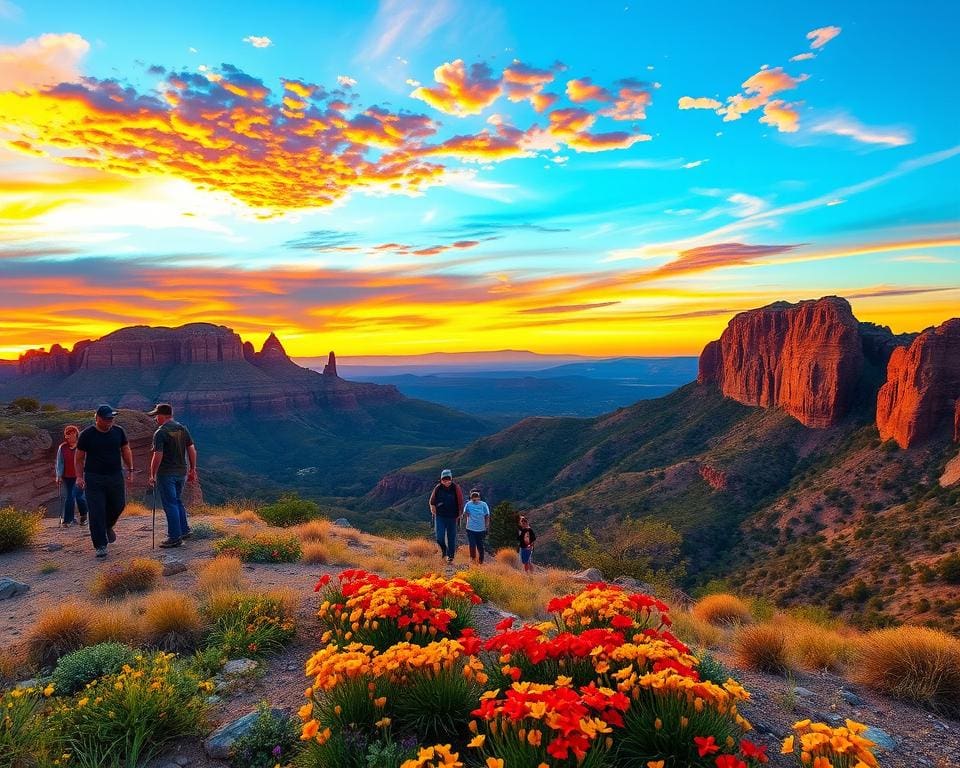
706 745
750 749
728 761
324 580
505 624
621 622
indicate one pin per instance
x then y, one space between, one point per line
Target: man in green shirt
174 461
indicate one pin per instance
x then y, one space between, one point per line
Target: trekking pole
60 498
153 525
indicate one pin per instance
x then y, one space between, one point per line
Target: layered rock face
805 358
921 396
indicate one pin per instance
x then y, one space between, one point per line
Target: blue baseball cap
106 412
446 473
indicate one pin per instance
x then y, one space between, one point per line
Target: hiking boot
170 543
101 551
111 536
83 520
186 535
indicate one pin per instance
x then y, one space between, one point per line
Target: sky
402 177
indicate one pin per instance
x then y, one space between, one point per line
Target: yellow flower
787 748
477 741
48 691
383 722
310 729
494 762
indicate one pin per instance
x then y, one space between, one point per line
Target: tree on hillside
503 526
646 550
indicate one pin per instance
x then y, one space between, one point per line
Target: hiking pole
153 525
60 498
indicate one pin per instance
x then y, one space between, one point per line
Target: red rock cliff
922 393
805 358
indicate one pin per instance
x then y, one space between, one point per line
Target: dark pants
171 490
72 498
447 535
475 540
106 498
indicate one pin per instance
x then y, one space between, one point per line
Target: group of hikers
90 467
448 509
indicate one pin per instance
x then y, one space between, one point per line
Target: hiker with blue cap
446 503
102 452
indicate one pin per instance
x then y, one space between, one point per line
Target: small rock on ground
11 588
588 575
342 522
219 743
172 565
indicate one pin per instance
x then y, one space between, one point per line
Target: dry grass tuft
315 530
59 630
223 572
762 647
171 621
523 594
385 548
422 548
136 509
415 567
11 663
118 623
288 597
249 516
817 647
695 631
352 535
139 574
913 663
509 557
722 609
329 552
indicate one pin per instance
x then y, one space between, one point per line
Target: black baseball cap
106 412
161 409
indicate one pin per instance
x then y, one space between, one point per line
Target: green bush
263 548
77 669
25 404
271 741
17 528
949 568
289 510
253 626
203 530
504 522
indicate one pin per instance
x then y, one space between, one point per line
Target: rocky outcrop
27 463
399 485
805 358
922 390
716 478
878 343
330 369
272 353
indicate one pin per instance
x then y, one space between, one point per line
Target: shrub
25 404
508 556
261 548
17 528
140 574
315 530
709 667
272 740
647 550
762 647
421 548
913 663
223 572
510 589
58 631
504 522
127 718
252 625
201 530
329 552
84 666
949 568
722 609
171 622
289 510
116 623
816 647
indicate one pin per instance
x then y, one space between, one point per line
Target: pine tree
503 526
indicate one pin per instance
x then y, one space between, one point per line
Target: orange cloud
821 36
460 92
42 61
701 102
630 103
522 82
582 90
781 116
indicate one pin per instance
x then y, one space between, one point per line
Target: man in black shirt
172 448
102 452
446 505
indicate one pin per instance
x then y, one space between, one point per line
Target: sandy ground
922 739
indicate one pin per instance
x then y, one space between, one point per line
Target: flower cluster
368 608
609 605
824 747
437 756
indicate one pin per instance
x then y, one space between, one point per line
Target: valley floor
920 738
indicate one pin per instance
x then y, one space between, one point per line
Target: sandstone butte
805 358
921 395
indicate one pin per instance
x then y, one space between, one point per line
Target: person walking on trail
173 462
102 452
526 537
477 516
446 502
65 470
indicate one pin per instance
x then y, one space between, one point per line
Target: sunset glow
400 177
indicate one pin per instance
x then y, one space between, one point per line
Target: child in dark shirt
526 537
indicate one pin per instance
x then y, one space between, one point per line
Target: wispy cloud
403 25
258 41
821 36
10 10
850 127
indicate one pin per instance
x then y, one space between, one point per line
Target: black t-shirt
102 449
445 500
172 440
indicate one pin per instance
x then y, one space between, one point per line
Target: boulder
588 576
173 564
342 522
219 743
11 588
238 667
805 358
